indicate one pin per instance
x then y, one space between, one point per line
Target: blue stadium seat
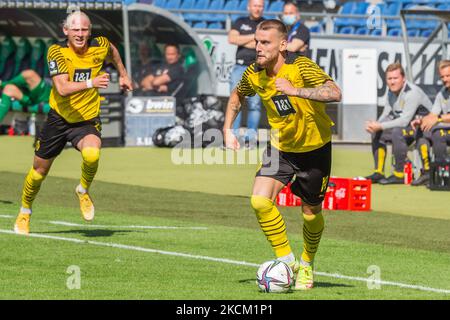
243 8
360 8
159 3
215 25
426 33
362 31
317 28
199 5
413 32
376 32
230 5
394 32
393 11
215 5
443 6
172 4
347 8
187 4
273 9
200 25
347 30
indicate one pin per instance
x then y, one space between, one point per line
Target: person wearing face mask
298 33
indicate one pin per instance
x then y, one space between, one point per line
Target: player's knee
37 174
90 154
261 204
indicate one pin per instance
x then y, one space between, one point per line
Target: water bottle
407 172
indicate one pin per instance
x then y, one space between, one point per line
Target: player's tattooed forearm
327 92
236 107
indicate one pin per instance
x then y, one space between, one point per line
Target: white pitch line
6 216
244 263
70 224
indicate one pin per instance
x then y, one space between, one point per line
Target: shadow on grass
91 233
6 201
317 284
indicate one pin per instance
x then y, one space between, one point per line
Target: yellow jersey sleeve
102 42
56 61
312 74
244 86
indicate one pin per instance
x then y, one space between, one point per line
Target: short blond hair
273 24
396 66
77 13
444 64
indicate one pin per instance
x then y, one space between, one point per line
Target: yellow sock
31 187
425 158
312 232
89 166
272 224
381 159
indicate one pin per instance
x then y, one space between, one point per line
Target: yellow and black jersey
298 125
83 105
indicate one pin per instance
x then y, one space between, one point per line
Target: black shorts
311 170
56 132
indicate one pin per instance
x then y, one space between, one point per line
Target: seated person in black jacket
167 78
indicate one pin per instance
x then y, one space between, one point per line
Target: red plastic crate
287 198
342 194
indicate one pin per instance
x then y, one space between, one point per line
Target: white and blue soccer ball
274 276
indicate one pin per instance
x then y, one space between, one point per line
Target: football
274 276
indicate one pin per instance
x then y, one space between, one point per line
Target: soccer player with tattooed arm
75 67
294 91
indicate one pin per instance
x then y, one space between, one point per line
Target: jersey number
81 75
283 105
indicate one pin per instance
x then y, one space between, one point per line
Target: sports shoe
305 280
86 205
376 177
22 225
422 180
392 180
295 266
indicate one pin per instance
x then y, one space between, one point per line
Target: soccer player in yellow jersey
293 91
75 67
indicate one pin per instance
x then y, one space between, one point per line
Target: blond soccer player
293 90
75 67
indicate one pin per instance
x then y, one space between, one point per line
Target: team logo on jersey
52 67
38 145
97 59
283 105
81 75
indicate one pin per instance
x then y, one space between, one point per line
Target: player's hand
101 81
125 83
428 122
285 86
416 123
373 126
230 140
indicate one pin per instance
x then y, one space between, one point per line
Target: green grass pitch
166 231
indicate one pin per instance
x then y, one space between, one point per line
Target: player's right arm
234 105
60 75
65 87
235 102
